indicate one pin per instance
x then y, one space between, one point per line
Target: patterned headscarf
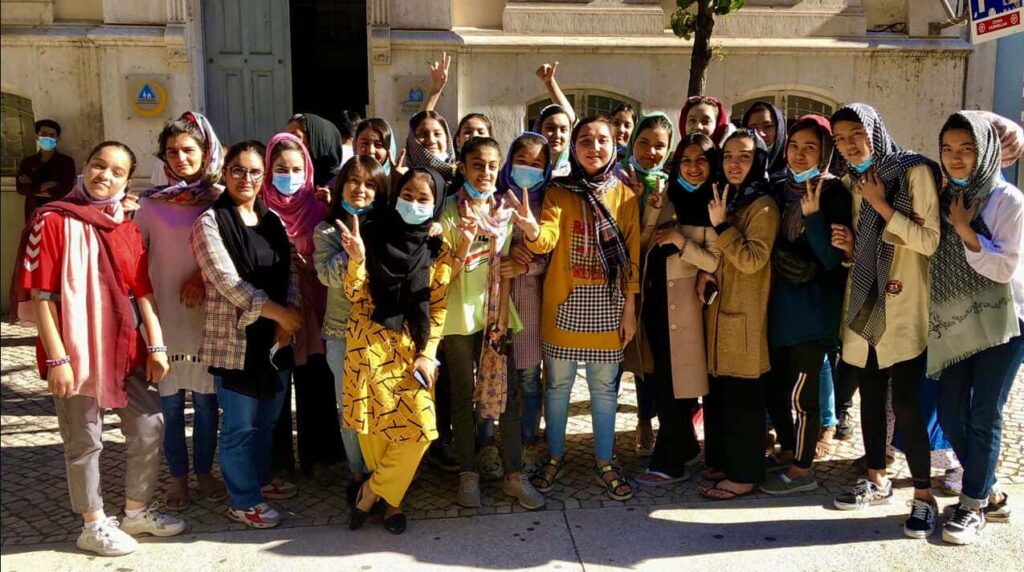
968 312
203 191
418 156
872 257
300 212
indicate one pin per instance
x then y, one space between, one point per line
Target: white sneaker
963 526
259 516
154 523
523 491
106 539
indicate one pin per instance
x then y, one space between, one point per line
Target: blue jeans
602 380
349 437
827 396
973 394
204 432
245 442
530 392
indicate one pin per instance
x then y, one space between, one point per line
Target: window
793 104
17 132
584 102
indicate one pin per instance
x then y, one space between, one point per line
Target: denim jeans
245 442
530 393
827 396
349 438
973 394
204 432
602 380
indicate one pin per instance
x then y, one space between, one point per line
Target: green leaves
684 23
684 19
723 7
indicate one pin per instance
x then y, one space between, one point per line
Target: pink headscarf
300 212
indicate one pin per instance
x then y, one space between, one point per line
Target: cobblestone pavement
35 505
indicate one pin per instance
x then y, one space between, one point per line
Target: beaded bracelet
156 349
51 363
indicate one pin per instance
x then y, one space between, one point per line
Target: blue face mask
806 175
475 194
861 167
686 184
414 213
288 183
958 182
636 165
527 177
47 143
354 210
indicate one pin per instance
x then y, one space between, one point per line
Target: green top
330 260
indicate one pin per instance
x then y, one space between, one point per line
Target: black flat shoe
356 517
395 524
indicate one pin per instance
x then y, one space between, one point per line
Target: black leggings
316 420
794 385
734 428
905 378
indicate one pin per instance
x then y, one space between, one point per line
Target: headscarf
652 176
398 261
721 125
418 156
969 313
872 257
300 212
777 150
392 148
204 190
325 148
505 182
561 162
793 192
692 208
590 188
755 184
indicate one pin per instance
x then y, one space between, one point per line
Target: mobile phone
710 293
419 377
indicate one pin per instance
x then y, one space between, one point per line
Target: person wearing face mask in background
78 287
679 242
47 175
288 191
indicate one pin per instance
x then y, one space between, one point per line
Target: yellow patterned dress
380 396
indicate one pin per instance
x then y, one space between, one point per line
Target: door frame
196 46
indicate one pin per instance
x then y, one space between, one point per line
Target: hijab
969 313
777 150
692 207
390 140
721 124
793 192
872 257
560 164
204 190
590 188
418 156
399 257
300 212
505 181
755 184
649 177
325 148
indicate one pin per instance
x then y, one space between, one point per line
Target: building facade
248 64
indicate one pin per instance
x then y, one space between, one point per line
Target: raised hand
546 72
870 185
842 238
657 196
717 206
961 215
523 216
351 240
628 176
810 203
323 194
439 73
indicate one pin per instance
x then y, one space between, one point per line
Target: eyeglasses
242 173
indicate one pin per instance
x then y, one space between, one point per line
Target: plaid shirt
232 304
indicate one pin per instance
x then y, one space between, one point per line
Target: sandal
644 441
177 497
614 484
212 489
548 474
651 478
718 493
823 447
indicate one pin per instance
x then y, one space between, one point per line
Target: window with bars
584 102
793 104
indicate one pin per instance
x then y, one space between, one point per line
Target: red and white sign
994 19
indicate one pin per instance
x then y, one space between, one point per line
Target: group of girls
437 284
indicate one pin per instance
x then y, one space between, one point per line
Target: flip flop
706 493
651 478
177 499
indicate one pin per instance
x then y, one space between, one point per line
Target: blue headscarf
505 181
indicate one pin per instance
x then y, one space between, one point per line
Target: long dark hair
369 166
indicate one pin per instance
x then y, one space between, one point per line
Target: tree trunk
701 56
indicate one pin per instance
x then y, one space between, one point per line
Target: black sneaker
864 494
921 523
442 456
963 526
844 429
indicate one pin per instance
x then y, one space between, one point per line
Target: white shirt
1000 257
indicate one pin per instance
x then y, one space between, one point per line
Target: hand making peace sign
523 216
717 206
351 241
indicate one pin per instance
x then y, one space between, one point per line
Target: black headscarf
398 261
692 208
324 146
262 257
756 182
777 151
